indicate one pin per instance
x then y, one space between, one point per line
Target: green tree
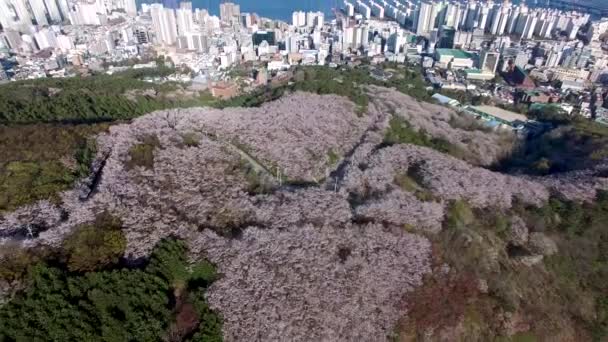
96 245
168 261
111 305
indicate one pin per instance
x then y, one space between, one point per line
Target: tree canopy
124 304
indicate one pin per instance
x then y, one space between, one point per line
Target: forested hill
91 99
334 208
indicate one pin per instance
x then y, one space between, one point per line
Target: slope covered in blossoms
320 227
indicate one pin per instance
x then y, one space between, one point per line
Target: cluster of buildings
460 44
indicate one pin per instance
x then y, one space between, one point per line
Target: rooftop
454 52
501 113
444 99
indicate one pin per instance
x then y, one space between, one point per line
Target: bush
168 261
95 246
409 184
550 113
332 158
190 139
459 215
142 154
401 132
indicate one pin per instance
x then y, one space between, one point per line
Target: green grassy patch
332 157
142 154
401 132
409 184
39 161
191 139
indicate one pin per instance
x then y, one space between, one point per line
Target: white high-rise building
39 11
530 28
424 17
361 36
348 38
500 20
397 41
316 38
364 9
471 16
6 16
131 8
310 19
64 8
572 29
298 19
164 24
86 14
229 12
349 9
511 21
23 15
435 9
53 10
313 19
484 14
553 58
291 44
452 15
185 22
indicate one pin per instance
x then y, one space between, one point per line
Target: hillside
325 219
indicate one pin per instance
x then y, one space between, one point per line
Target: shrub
95 246
142 154
168 261
401 132
190 139
407 183
332 157
459 215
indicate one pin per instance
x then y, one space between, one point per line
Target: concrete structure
444 100
479 75
454 59
488 61
499 115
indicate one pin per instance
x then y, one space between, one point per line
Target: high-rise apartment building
164 24
298 18
185 22
53 11
423 23
130 8
229 12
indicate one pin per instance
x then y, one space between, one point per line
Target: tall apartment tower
164 24
229 11
424 17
